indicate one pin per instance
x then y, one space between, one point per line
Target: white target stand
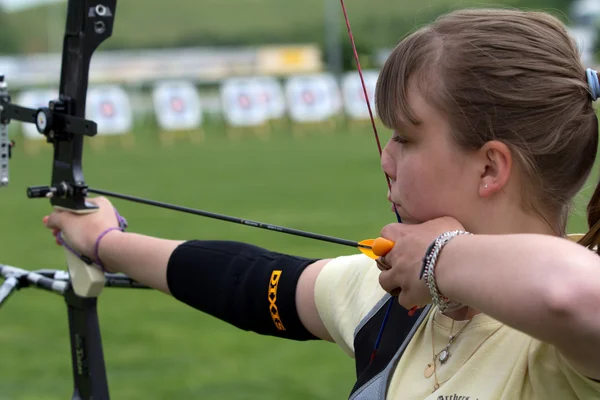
178 110
34 141
110 107
355 105
244 107
314 101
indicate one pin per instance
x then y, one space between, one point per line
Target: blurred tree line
181 23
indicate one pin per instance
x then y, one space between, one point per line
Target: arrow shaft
227 218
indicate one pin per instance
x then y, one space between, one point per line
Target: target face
110 107
243 102
177 105
355 104
312 98
35 99
272 96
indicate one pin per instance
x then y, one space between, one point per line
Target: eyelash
399 139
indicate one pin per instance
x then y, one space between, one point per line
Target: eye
399 139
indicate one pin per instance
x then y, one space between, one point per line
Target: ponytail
591 239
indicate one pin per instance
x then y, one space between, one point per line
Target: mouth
393 205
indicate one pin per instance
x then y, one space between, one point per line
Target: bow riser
89 23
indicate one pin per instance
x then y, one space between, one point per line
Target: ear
496 167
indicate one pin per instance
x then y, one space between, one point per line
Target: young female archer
494 135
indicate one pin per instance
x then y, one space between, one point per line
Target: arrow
373 248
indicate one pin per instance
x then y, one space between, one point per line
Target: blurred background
248 108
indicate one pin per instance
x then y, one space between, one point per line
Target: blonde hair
512 76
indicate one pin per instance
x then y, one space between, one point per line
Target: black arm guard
249 287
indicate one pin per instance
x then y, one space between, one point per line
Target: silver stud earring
485 186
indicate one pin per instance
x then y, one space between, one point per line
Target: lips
393 205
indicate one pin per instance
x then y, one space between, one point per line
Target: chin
409 221
406 219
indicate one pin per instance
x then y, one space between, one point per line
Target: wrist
448 270
431 262
101 247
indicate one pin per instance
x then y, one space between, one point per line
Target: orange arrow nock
375 248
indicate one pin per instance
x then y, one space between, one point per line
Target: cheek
414 182
427 188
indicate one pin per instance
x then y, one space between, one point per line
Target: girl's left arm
544 286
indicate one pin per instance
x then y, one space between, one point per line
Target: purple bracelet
122 225
97 246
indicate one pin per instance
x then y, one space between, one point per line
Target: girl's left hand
401 267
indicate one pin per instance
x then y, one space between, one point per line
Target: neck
464 314
500 221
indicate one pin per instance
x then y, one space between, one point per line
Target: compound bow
89 23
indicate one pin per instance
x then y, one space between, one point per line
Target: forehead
413 66
425 117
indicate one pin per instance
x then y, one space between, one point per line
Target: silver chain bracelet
439 300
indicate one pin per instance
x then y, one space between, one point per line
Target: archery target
312 98
272 96
242 101
177 105
110 107
35 99
355 104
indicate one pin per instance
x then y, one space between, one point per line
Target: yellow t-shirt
488 360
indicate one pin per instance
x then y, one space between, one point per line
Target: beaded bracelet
428 271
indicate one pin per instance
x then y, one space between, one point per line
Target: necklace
443 354
437 384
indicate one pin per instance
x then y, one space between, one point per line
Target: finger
393 231
54 220
405 302
55 232
382 264
386 281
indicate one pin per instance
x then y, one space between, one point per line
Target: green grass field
155 347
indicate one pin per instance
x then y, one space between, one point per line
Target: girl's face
430 176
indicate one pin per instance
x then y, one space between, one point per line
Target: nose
387 162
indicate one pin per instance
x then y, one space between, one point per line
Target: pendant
429 370
444 356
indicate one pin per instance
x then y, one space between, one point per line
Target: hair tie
593 83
